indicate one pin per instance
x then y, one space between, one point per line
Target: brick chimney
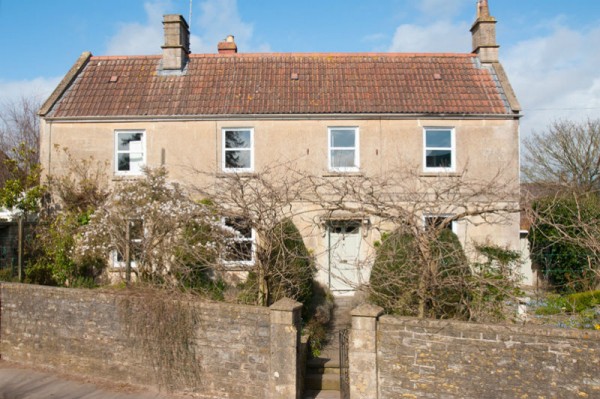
177 43
483 32
228 46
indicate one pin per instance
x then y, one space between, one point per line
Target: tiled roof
283 84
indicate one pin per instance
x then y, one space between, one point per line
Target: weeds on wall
162 328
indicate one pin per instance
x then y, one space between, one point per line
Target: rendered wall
486 150
228 351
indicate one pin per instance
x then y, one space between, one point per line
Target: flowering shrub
173 239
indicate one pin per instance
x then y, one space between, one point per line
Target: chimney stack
177 43
484 34
228 46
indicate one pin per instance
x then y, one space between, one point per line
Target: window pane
123 163
342 159
343 138
136 160
439 159
130 141
439 138
436 222
238 251
238 159
237 139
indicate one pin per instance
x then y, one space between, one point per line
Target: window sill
127 177
343 174
440 174
224 175
237 266
120 269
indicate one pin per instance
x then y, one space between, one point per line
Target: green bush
404 279
582 301
557 241
289 265
7 274
494 283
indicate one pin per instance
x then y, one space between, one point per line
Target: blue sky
550 48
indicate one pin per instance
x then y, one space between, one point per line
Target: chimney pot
177 42
227 46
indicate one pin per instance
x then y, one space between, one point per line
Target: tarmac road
17 382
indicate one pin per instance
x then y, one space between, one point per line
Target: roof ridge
313 54
124 57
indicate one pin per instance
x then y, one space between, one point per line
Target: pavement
18 382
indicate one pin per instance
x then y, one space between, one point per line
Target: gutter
283 117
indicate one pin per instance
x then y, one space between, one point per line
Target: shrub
495 283
560 241
409 281
582 301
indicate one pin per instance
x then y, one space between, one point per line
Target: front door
344 249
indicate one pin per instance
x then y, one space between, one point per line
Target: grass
579 310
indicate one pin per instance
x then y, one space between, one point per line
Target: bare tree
418 209
19 125
260 210
566 155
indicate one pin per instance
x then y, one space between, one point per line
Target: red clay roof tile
250 84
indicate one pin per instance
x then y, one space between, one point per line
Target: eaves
283 117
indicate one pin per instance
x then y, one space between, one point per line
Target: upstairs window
439 154
130 152
343 149
238 148
240 248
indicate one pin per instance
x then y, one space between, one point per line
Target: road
17 382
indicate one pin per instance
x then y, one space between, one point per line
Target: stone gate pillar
285 343
362 352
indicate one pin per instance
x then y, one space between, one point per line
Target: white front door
344 249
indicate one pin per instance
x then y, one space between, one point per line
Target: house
334 116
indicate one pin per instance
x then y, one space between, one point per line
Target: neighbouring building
332 115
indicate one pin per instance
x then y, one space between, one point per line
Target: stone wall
212 349
443 359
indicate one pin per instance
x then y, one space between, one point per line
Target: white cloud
442 36
139 39
216 20
38 88
555 76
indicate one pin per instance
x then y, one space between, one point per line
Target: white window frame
453 224
356 148
224 150
452 149
117 152
251 239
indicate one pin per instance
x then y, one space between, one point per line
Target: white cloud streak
556 76
216 20
442 36
39 88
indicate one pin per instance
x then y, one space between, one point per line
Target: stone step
322 382
321 395
323 363
331 369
